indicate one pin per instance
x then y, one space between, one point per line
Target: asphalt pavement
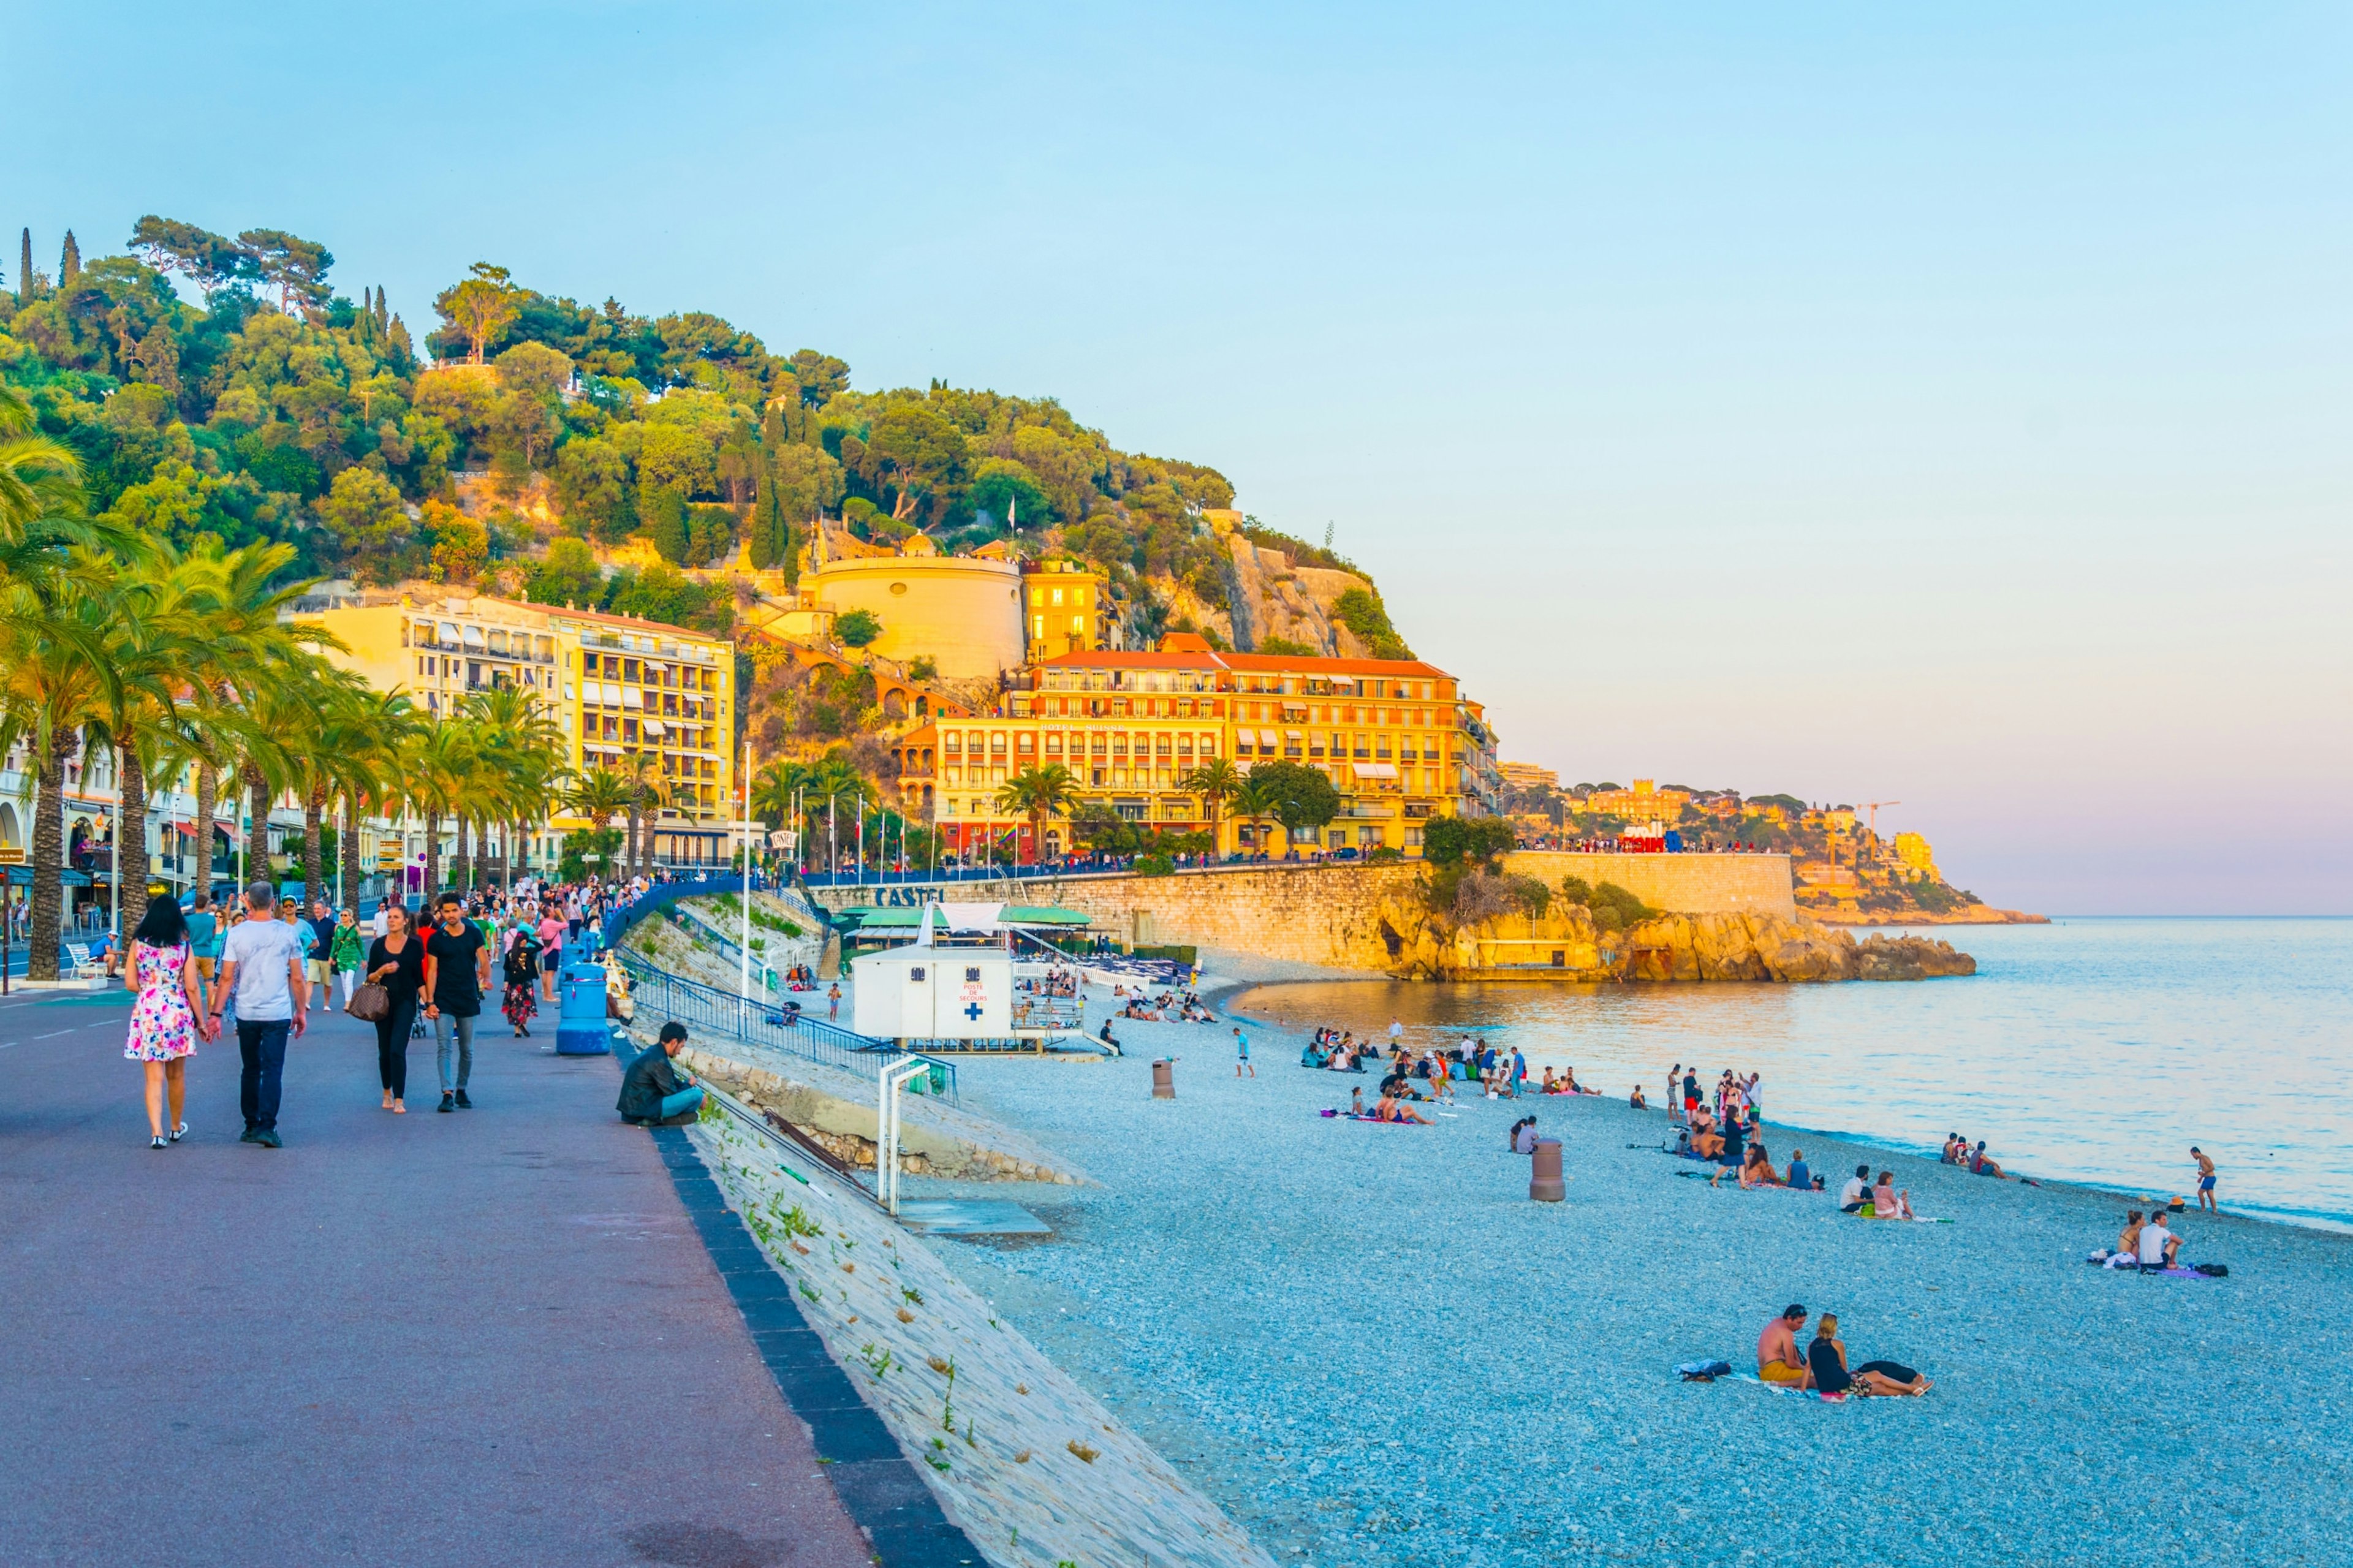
488 1337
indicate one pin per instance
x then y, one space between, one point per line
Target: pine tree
663 508
68 262
383 322
25 271
768 532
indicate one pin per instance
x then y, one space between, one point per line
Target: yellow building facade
1068 607
613 686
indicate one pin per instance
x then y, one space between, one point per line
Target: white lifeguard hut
924 992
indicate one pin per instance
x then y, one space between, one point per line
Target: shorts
316 969
2205 1183
1781 1371
204 968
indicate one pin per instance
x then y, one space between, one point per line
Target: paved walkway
491 1337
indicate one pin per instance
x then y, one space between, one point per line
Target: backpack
2211 1271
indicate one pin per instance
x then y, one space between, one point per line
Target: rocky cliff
1567 943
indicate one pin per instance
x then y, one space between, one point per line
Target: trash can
1545 1184
581 1029
1163 1078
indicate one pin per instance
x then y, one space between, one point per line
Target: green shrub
857 628
1154 865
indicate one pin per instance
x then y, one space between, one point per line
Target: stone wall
1267 922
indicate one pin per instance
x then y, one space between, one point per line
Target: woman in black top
395 961
1826 1359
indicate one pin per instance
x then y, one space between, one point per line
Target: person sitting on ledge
1857 1190
1635 1099
1826 1360
1777 1360
656 1094
1105 1036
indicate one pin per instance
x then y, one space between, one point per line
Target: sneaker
248 1135
463 1103
268 1139
179 1132
157 1142
449 1102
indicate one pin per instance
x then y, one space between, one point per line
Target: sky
1936 405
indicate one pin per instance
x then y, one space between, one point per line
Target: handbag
370 1002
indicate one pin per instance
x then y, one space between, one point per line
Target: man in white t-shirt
261 967
1857 1190
2157 1244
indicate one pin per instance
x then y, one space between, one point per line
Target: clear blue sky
1868 403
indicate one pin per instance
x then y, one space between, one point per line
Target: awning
474 636
424 632
1376 771
450 634
1266 737
653 726
632 697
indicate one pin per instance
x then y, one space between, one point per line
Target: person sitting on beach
1524 1135
1799 1176
2158 1246
2127 1252
1826 1360
1755 1169
1105 1036
1950 1155
1311 1056
1548 1088
1706 1141
1356 1101
1981 1165
1857 1190
1777 1360
1886 1203
1635 1099
1569 1084
1392 1109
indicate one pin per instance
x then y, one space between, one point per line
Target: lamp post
745 947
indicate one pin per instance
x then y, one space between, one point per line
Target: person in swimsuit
2205 1181
1777 1360
1826 1363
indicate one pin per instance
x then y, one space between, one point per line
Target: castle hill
1514 871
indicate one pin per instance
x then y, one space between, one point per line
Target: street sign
11 856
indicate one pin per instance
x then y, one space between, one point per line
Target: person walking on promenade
522 976
261 977
550 956
346 954
203 945
457 971
322 967
395 961
2205 1180
164 1025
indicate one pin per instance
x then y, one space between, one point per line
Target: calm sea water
2091 1050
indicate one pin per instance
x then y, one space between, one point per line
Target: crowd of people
258 964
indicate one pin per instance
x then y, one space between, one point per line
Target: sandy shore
1370 1347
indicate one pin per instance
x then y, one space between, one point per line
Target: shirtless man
1706 1142
1779 1360
2205 1180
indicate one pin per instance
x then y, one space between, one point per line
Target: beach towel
1786 1388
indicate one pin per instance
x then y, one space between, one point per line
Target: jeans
465 1029
684 1100
262 1048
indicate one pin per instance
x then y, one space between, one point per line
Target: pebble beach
1368 1346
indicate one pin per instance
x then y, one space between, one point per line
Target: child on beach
1242 1047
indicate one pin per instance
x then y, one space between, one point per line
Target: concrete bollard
1164 1080
1545 1184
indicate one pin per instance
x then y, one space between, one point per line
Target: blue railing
662 894
702 931
659 995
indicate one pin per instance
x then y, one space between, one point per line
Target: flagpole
744 949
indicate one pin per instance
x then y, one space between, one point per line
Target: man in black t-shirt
457 971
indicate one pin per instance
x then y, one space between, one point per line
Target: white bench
84 966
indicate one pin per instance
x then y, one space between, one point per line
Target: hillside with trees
225 386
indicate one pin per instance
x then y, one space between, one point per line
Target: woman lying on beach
1826 1359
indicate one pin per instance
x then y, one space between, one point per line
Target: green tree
69 264
1038 794
771 538
210 261
481 308
568 575
663 508
295 267
857 628
364 516
1216 781
1298 796
592 489
1455 840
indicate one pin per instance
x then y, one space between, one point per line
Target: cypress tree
68 262
382 321
25 271
664 511
768 525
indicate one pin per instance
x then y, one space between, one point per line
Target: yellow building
1917 857
1528 775
1129 725
1644 801
613 686
1069 610
963 612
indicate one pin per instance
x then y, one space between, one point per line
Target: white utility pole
745 945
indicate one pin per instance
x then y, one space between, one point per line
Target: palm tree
434 771
774 789
51 694
521 747
643 771
1255 800
1038 794
1216 781
830 780
598 794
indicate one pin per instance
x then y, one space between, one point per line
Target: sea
2095 1050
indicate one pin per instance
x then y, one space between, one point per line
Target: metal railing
729 1016
703 931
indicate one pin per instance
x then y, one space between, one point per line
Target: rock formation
1669 947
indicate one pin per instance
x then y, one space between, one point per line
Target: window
1053 744
1029 744
972 976
1057 596
1078 625
1038 627
997 742
954 743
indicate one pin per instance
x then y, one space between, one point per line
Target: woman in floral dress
163 1021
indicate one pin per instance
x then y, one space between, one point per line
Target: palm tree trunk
314 811
349 861
207 798
432 856
256 832
130 837
461 868
628 866
48 858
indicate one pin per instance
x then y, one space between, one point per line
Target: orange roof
1315 664
1109 658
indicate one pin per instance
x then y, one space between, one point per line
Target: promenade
491 1337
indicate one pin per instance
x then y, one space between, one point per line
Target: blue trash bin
581 1029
